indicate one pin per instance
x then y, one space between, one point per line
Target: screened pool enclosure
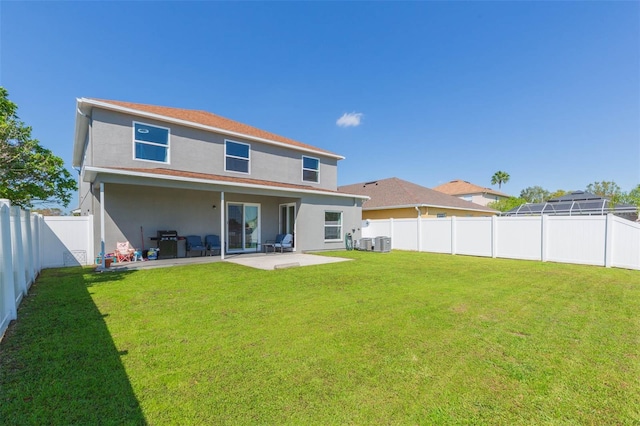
574 204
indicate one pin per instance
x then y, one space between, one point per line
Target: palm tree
500 177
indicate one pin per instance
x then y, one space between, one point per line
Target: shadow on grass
58 362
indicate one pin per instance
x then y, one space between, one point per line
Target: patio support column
102 253
223 243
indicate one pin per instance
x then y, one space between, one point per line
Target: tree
499 178
633 197
507 204
558 193
535 194
29 173
605 189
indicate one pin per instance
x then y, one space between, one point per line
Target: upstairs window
150 143
310 169
236 157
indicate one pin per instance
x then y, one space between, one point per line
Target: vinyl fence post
608 240
35 230
7 286
544 224
494 236
18 251
391 231
419 232
453 235
28 248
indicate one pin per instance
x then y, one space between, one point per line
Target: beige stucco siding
481 199
425 212
403 213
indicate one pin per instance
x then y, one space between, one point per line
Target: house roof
193 118
462 187
192 177
395 193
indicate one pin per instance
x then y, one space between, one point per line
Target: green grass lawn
398 338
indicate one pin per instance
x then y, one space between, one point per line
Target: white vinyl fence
592 240
29 243
67 241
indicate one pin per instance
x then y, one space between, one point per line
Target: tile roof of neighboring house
462 187
394 192
212 120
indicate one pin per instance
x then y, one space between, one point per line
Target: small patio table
266 246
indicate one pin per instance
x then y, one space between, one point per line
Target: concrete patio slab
268 261
273 261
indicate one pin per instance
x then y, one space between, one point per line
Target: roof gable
394 192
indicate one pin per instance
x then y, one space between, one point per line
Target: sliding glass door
243 227
288 219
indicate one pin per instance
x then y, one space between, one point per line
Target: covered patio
134 204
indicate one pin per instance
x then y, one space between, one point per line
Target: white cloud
351 119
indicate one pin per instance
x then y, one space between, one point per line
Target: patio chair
285 242
212 242
271 244
194 243
124 252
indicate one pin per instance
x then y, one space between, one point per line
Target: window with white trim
150 143
310 169
332 226
236 156
467 197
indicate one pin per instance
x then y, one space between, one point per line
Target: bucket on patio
152 254
107 262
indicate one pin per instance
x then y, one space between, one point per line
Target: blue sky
546 91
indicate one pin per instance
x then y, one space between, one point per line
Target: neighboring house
146 168
576 203
397 198
470 192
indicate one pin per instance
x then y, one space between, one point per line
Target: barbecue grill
168 244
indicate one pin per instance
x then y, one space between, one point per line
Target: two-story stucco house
146 168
